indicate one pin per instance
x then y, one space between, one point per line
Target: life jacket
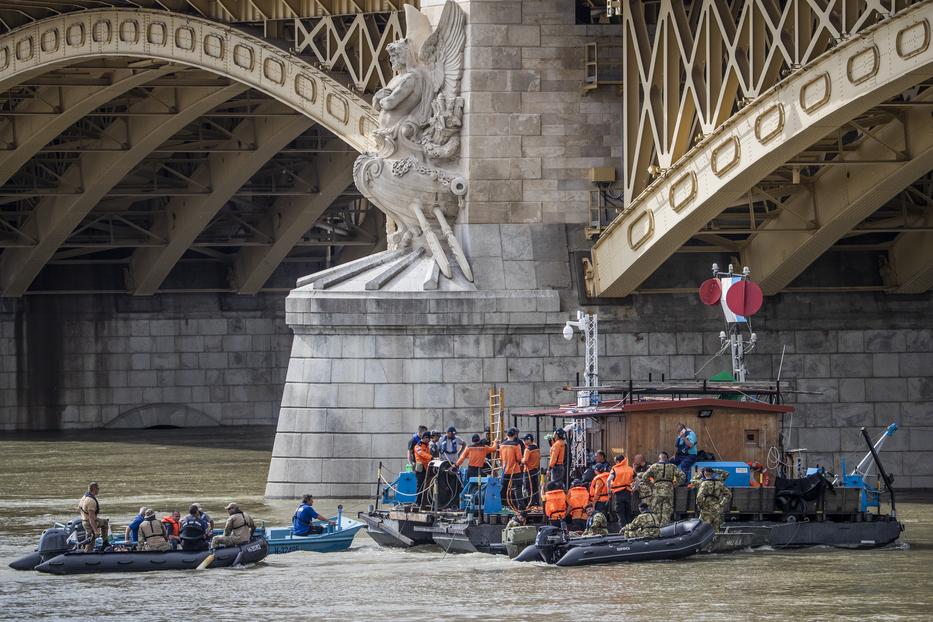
475 455
423 453
450 446
557 453
623 476
511 455
599 488
555 504
244 530
532 458
84 513
171 525
192 528
577 499
151 533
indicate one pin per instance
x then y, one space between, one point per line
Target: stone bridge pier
389 342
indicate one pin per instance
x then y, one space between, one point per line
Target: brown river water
42 476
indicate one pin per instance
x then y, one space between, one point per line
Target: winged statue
414 174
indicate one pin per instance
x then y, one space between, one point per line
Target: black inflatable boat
58 553
144 561
678 540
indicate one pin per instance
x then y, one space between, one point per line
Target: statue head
401 55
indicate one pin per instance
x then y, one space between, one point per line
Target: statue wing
442 52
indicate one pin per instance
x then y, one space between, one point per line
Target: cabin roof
620 407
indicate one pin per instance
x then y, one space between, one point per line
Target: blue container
740 474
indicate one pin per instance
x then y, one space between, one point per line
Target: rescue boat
678 540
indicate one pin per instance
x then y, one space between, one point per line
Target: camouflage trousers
710 511
102 530
222 541
662 504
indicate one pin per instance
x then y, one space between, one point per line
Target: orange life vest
171 525
599 489
555 504
510 452
623 476
557 453
577 500
423 453
532 458
475 455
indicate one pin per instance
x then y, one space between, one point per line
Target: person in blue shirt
302 521
686 449
131 534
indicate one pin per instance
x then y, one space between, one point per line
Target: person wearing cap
488 442
475 457
237 530
194 530
531 463
305 515
451 445
645 525
435 444
152 535
131 533
510 454
205 516
414 440
558 458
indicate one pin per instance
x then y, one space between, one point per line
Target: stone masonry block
853 415
850 365
812 341
919 340
852 389
662 343
851 341
616 368
821 439
524 35
463 370
916 364
355 395
516 242
885 341
689 343
433 346
655 366
525 370
519 275
393 396
433 396
885 389
495 370
395 346
885 364
920 389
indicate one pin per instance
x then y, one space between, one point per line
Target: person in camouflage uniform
664 476
713 496
598 526
645 525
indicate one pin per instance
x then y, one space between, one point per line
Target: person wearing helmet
531 463
510 454
451 445
558 459
578 505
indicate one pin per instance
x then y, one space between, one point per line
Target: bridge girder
780 110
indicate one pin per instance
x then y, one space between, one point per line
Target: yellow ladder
496 418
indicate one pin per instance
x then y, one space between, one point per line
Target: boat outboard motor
548 539
52 543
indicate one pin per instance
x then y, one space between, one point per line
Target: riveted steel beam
292 217
54 218
31 132
839 199
224 173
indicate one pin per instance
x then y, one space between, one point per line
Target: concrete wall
120 361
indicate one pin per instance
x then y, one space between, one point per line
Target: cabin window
751 438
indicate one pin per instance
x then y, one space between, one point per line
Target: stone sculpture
414 174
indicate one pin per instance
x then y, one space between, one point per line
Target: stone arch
162 415
834 89
73 37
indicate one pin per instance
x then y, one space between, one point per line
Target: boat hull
395 532
323 543
468 537
148 561
847 535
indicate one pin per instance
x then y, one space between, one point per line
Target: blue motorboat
337 537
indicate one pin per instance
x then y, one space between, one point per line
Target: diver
303 520
237 530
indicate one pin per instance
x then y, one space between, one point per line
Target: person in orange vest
531 462
422 459
510 453
578 505
599 488
555 504
558 461
620 485
173 527
475 456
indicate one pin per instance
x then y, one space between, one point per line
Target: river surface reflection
42 476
